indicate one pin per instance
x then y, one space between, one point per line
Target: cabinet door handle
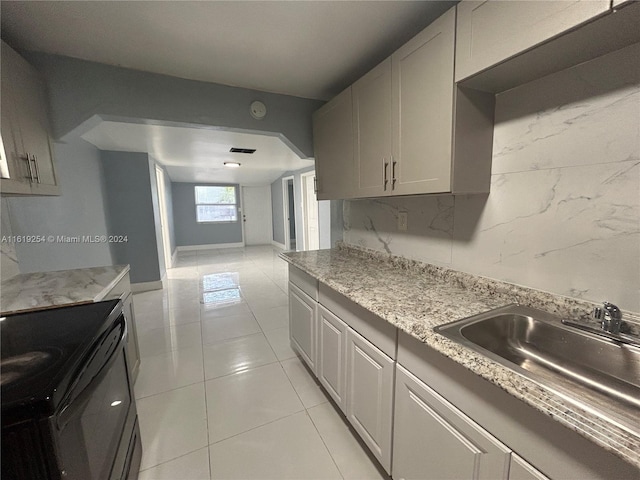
27 159
393 174
384 173
315 185
35 165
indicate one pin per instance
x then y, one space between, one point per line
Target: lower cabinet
370 395
332 356
434 439
302 325
521 470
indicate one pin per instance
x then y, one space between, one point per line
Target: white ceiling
198 154
311 49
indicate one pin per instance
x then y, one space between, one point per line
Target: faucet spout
610 317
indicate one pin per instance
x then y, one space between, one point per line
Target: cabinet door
332 353
489 32
302 325
333 148
433 439
422 86
18 180
372 131
133 350
521 470
370 395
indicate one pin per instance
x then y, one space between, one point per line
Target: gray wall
563 214
130 207
79 89
191 233
79 210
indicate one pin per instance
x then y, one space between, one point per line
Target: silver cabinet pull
315 185
385 164
35 165
27 159
393 174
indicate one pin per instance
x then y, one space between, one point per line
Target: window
216 204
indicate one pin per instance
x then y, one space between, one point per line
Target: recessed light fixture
231 164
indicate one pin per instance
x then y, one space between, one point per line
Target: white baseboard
279 245
146 286
190 248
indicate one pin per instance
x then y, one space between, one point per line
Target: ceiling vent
248 151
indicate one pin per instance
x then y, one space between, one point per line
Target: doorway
310 212
288 201
164 221
256 215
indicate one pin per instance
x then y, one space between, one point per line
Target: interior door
256 215
311 230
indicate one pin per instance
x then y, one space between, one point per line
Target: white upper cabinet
422 106
489 32
25 129
372 131
333 148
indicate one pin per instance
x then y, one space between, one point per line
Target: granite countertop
36 291
416 297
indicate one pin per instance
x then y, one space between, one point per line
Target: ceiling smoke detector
258 110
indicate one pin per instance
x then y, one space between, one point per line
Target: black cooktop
42 351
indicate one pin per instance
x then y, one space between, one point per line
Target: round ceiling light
231 164
258 110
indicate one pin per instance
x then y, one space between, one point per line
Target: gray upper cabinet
333 148
431 435
489 32
25 129
372 131
422 106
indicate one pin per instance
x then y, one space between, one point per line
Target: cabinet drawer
378 331
304 282
120 290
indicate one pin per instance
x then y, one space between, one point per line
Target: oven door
92 423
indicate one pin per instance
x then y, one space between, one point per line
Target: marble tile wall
563 214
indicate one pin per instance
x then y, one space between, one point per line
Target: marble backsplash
8 257
563 214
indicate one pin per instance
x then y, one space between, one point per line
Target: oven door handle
73 402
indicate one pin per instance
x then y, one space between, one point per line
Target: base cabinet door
433 439
332 356
370 395
522 470
302 325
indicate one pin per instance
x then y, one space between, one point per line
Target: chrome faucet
610 317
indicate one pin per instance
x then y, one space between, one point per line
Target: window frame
216 222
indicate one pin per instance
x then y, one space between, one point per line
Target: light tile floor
221 394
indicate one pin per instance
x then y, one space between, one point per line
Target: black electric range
68 409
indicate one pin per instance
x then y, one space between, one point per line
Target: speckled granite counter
35 291
416 297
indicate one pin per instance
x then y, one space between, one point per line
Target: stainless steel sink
600 371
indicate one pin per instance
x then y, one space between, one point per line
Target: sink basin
599 371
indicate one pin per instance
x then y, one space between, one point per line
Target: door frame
285 210
305 210
164 217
